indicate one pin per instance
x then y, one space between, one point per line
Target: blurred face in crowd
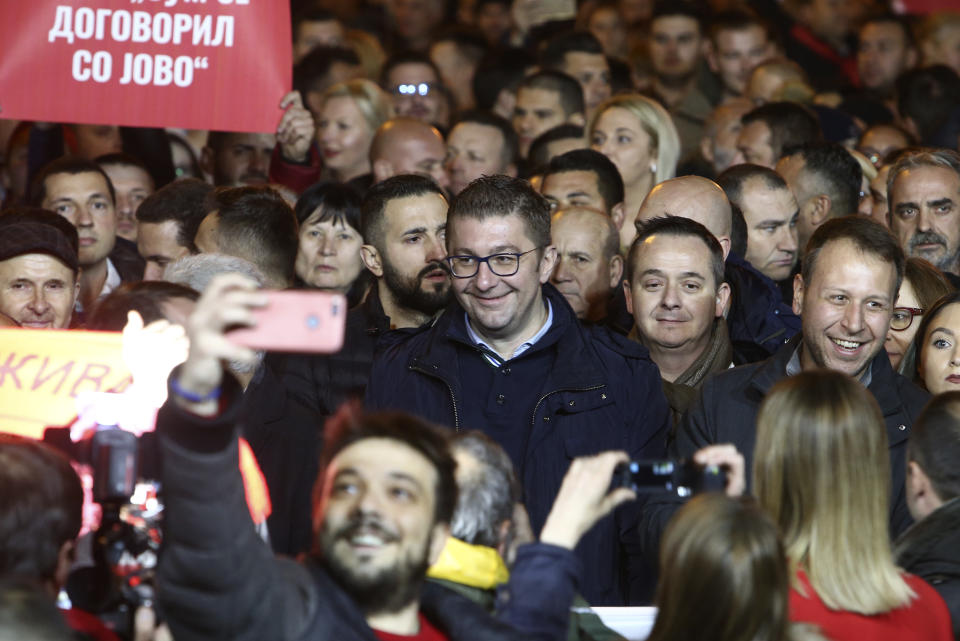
940 352
38 291
592 72
475 150
898 342
328 254
829 19
376 525
97 140
420 152
411 258
159 245
880 140
845 308
719 146
132 185
566 189
754 145
588 265
883 54
673 294
620 136
925 215
416 93
536 111
414 20
675 47
244 159
771 217
494 21
313 33
943 48
609 28
736 53
344 137
84 200
500 307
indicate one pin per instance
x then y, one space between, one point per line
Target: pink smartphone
297 321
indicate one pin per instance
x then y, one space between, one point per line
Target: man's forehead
68 184
928 176
663 252
402 211
252 139
502 229
848 252
384 457
36 266
536 97
412 72
674 25
579 179
475 134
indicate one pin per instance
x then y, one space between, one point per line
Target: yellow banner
42 371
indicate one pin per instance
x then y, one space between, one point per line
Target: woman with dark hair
938 358
328 255
922 285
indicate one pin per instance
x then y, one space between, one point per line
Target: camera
683 478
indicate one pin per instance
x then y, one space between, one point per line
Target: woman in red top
821 470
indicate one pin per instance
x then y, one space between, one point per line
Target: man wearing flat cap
38 268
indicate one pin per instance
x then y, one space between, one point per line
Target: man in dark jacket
931 548
403 221
509 358
845 294
384 501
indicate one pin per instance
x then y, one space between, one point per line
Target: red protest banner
196 64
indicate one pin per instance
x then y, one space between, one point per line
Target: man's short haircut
835 172
538 156
739 19
677 226
183 201
311 73
938 158
734 178
499 70
197 270
892 18
500 196
929 96
340 203
257 222
609 182
488 495
790 124
41 507
935 444
405 57
122 159
567 88
66 165
510 149
671 8
469 44
867 235
554 53
146 297
374 205
63 243
351 424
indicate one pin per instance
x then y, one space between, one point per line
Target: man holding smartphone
509 358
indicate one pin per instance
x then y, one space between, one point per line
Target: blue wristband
190 396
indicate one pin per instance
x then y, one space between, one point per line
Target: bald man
758 320
408 146
589 266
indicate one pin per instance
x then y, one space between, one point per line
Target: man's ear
208 161
576 118
724 246
504 539
371 259
821 209
723 297
548 263
616 270
616 215
710 53
797 294
438 540
706 149
628 296
511 170
382 169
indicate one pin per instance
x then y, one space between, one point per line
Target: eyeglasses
506 264
418 89
903 317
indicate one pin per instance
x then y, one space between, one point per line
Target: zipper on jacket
533 419
453 398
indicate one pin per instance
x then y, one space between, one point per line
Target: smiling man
38 268
923 192
510 358
845 294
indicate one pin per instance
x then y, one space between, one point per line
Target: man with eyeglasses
413 83
509 358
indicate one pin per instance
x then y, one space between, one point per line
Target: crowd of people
569 237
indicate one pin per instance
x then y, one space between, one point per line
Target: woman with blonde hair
821 470
639 137
723 576
350 114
